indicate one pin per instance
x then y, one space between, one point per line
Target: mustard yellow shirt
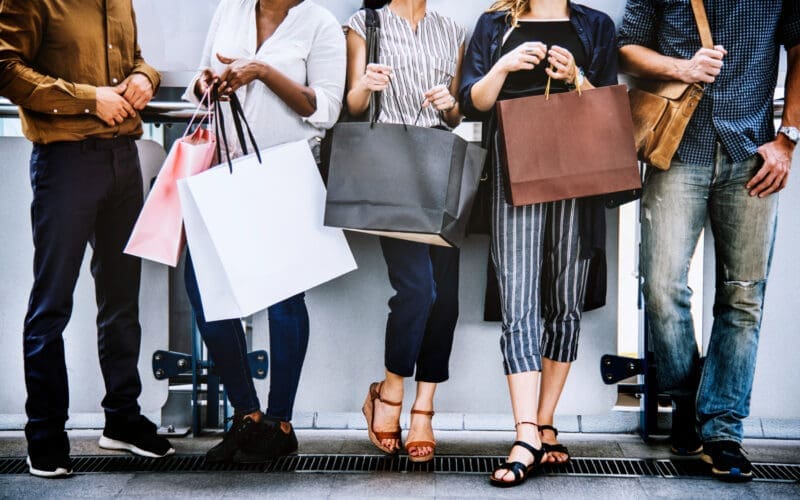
53 56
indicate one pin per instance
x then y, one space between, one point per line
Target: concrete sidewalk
396 485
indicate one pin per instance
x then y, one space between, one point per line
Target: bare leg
524 388
421 425
554 376
387 417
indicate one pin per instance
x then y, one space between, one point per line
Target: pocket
445 70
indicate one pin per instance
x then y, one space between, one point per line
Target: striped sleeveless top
419 62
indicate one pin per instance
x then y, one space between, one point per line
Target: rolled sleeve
358 23
638 24
789 31
326 69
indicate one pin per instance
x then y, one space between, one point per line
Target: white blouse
308 47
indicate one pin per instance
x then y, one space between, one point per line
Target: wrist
785 140
263 71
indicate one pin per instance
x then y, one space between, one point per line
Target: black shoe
225 449
282 443
136 435
684 438
727 462
49 457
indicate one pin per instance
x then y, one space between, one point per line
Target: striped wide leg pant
542 279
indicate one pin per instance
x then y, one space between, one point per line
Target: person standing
419 65
285 60
76 72
541 252
729 168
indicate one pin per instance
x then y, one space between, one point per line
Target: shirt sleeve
608 73
205 58
789 30
477 63
358 23
638 24
326 69
22 27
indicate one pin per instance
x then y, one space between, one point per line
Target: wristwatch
792 133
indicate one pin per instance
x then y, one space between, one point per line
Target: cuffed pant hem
282 418
521 366
431 379
565 358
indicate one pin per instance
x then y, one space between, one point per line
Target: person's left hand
774 174
239 72
563 64
138 90
440 98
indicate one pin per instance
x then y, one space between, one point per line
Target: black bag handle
238 118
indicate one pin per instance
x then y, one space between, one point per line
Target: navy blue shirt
737 109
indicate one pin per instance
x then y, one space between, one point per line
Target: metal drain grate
605 467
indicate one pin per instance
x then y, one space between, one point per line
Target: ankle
256 416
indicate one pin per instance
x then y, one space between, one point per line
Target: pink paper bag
158 234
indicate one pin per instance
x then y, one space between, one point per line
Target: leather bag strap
701 19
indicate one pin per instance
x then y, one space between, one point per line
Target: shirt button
110 46
113 80
86 111
55 111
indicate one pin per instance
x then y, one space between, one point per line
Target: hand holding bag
255 230
662 110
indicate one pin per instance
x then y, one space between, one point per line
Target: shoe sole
728 476
112 444
683 452
50 474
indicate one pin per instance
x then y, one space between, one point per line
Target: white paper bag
256 235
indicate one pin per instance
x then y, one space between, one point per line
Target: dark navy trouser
424 311
288 341
86 191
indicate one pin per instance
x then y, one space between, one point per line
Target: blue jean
424 311
227 346
675 205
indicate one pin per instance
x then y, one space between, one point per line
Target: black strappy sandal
520 470
554 448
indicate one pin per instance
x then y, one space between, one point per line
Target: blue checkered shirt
737 109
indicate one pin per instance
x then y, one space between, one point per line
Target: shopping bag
158 233
256 231
567 145
402 181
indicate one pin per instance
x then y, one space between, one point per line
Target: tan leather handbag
662 109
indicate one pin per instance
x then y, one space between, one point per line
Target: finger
759 177
767 186
118 119
721 49
110 122
225 60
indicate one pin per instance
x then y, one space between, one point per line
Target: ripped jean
675 205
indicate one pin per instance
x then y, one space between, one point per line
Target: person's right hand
704 67
377 77
111 107
207 79
525 57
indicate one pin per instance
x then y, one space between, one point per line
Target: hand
440 98
138 91
563 63
525 57
111 106
238 73
704 67
774 174
207 78
377 77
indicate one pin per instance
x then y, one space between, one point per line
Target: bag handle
547 87
701 18
372 22
238 118
205 101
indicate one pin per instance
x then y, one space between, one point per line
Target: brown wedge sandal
369 413
421 444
